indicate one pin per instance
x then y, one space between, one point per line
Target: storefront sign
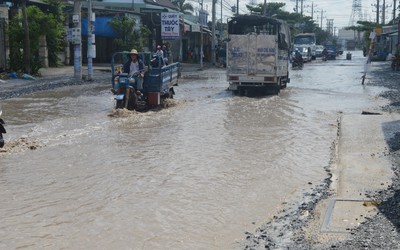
169 26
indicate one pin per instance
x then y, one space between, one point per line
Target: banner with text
169 26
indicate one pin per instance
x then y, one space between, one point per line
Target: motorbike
297 63
297 60
2 130
128 91
143 90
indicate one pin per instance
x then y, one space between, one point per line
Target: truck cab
306 44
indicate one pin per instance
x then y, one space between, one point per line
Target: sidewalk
361 168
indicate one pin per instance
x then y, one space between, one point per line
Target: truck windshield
304 40
243 25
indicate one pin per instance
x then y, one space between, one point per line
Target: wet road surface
76 174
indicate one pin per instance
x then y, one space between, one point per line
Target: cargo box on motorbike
161 79
131 91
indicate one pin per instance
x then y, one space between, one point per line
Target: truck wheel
278 86
282 84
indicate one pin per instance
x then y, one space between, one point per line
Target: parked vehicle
318 50
157 84
2 130
257 54
306 44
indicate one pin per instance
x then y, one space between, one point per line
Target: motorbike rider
134 66
298 58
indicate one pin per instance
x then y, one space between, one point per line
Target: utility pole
383 13
265 7
221 30
90 43
394 9
312 10
201 15
66 43
77 43
27 47
237 7
322 17
377 11
214 2
329 24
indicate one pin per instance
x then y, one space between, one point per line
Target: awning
193 27
206 30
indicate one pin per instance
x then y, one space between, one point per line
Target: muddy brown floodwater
75 174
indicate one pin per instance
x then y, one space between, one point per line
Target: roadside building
392 36
350 39
146 12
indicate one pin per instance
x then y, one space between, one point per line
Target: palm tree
185 8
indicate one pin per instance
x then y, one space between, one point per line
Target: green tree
39 23
185 8
55 35
127 36
271 8
298 23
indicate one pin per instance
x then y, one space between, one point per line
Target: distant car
331 52
318 50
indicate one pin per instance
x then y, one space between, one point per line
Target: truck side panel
251 54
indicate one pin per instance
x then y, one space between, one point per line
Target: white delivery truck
306 44
257 54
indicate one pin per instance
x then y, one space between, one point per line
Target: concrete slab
345 214
361 167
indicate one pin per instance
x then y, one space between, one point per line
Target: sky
338 10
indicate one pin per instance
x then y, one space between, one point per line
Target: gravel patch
17 87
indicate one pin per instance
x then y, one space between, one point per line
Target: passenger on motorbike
165 54
134 67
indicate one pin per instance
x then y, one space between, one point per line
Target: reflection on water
196 175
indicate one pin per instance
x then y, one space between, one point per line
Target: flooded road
77 175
